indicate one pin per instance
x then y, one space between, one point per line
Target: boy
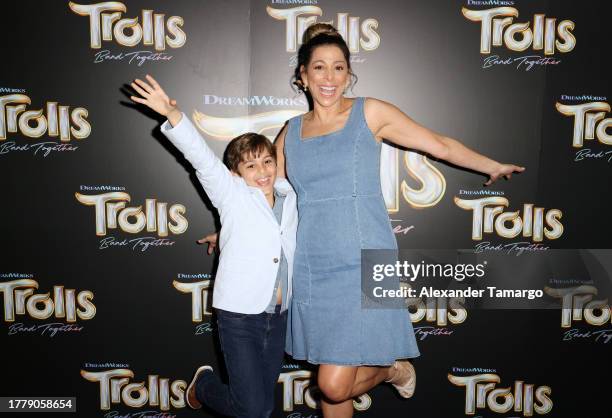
253 282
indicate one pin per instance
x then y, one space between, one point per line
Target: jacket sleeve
214 176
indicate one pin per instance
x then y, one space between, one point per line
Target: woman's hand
154 97
211 239
503 170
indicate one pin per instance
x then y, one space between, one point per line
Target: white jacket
250 239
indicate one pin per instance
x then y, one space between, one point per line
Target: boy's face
259 171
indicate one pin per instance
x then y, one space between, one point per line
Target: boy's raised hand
153 96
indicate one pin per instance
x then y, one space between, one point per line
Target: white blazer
251 238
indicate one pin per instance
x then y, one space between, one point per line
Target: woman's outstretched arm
388 122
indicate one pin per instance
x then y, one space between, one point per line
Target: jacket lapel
263 205
284 187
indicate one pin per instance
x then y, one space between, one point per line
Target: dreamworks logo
583 97
213 99
294 1
480 192
11 90
490 3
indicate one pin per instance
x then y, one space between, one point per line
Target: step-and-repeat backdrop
107 297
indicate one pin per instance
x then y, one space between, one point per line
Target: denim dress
341 211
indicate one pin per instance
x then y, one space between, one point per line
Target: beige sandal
404 378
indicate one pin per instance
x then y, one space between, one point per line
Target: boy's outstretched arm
214 176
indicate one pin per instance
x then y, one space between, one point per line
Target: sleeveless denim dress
341 210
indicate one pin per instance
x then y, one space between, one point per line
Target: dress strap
292 130
356 113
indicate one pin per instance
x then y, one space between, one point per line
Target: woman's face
327 75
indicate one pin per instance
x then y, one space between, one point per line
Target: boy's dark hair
244 146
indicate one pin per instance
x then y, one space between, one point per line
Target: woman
332 156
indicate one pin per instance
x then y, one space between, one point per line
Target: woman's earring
305 88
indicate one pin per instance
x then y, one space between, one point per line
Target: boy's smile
259 171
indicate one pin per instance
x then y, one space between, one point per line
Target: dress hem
363 363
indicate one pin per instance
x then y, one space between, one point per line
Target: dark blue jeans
253 346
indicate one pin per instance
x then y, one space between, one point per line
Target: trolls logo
116 389
480 392
577 304
298 391
111 212
199 296
19 299
105 23
438 311
201 292
489 216
432 182
590 121
226 128
497 29
56 122
297 19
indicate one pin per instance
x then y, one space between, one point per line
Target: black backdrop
233 59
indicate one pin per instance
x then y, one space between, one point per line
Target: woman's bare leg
337 409
368 377
340 384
